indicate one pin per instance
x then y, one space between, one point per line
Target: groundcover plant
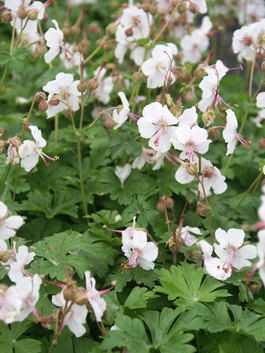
132 193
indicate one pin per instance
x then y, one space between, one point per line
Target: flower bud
69 113
6 16
94 28
202 209
93 84
193 8
43 106
199 71
194 255
22 13
191 168
54 101
80 296
5 256
81 86
190 96
261 143
181 8
75 30
40 96
69 292
160 206
84 45
213 133
169 202
33 14
111 28
208 117
109 123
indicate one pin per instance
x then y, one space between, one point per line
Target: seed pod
81 86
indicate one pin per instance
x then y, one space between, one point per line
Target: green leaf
190 285
138 298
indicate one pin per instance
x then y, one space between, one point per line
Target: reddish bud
6 16
40 96
43 106
81 86
261 143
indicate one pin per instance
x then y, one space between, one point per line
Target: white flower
230 134
213 266
210 85
261 255
245 40
30 151
149 156
105 85
8 224
64 89
28 289
54 41
81 2
193 45
191 141
133 25
70 57
188 117
75 317
260 102
97 303
121 116
188 235
158 67
10 304
28 5
231 250
157 124
138 250
123 172
211 178
22 258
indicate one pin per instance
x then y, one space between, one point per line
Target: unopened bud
69 113
75 30
40 96
6 16
69 292
33 14
193 8
54 101
109 123
213 133
190 96
111 28
94 28
160 206
208 117
191 168
169 202
261 143
81 86
199 71
149 7
84 46
80 296
43 106
22 13
202 209
5 256
194 255
93 84
181 8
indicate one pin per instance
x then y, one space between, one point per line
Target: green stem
92 55
16 182
245 195
251 76
56 128
3 76
5 178
80 167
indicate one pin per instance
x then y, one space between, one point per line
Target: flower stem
251 75
92 55
5 178
56 128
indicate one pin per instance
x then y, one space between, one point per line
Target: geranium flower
213 266
55 42
231 250
104 85
149 156
64 91
122 172
97 303
158 67
210 86
188 117
22 257
157 124
75 317
10 304
139 251
8 224
188 234
261 255
30 151
29 292
191 141
121 116
194 45
211 178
